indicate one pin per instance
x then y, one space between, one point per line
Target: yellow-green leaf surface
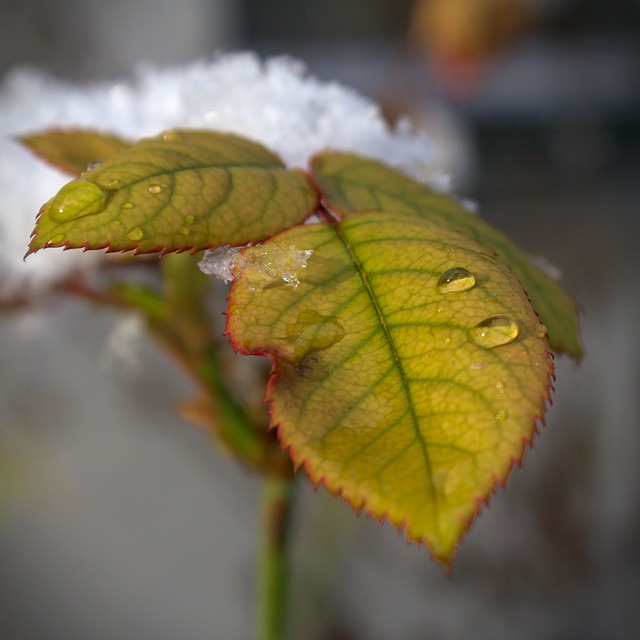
352 183
183 190
409 367
73 150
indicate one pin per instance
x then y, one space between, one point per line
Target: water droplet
500 387
93 165
127 206
447 340
77 199
313 331
136 234
542 331
500 416
189 219
493 332
477 366
154 188
455 279
112 184
184 231
170 136
57 239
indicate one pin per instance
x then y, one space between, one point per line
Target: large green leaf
353 183
73 150
409 366
183 190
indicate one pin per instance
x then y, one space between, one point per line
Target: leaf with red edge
183 190
409 368
350 183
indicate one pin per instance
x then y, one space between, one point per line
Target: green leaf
409 366
184 190
73 150
352 183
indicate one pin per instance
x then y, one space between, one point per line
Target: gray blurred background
118 521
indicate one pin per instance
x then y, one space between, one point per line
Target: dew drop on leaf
455 279
493 332
57 239
500 416
542 331
189 219
127 206
184 231
500 387
136 234
77 199
477 366
154 188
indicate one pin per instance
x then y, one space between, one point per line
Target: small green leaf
352 183
184 190
410 400
73 150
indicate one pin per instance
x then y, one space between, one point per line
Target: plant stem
277 499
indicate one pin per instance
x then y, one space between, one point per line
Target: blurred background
118 521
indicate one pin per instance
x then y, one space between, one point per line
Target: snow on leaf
409 399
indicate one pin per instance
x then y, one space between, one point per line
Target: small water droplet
113 183
189 219
542 331
57 239
136 234
500 416
500 387
77 199
127 206
493 332
93 165
170 136
154 188
455 279
477 366
447 340
184 231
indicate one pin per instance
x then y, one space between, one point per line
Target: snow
274 102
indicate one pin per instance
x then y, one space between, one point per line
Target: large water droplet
77 199
154 188
313 331
136 234
455 279
57 239
493 332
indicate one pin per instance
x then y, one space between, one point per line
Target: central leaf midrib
403 377
226 168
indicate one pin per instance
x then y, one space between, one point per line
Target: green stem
277 498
